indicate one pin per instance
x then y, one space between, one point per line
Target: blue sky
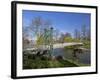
63 21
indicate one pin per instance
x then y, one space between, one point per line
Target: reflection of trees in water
75 54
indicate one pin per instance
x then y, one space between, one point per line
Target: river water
83 58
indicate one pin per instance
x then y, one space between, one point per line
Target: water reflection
83 57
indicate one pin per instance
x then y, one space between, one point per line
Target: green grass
43 62
87 44
69 47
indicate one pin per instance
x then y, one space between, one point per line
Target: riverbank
77 55
31 61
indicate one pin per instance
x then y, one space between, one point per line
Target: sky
62 21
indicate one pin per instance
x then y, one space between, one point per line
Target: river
83 58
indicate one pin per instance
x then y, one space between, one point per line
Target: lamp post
48 39
51 41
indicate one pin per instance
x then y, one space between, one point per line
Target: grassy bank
87 44
31 61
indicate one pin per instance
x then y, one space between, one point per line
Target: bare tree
25 37
84 32
67 34
76 34
36 25
56 35
88 34
61 38
47 24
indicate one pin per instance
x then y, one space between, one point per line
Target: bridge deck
60 45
